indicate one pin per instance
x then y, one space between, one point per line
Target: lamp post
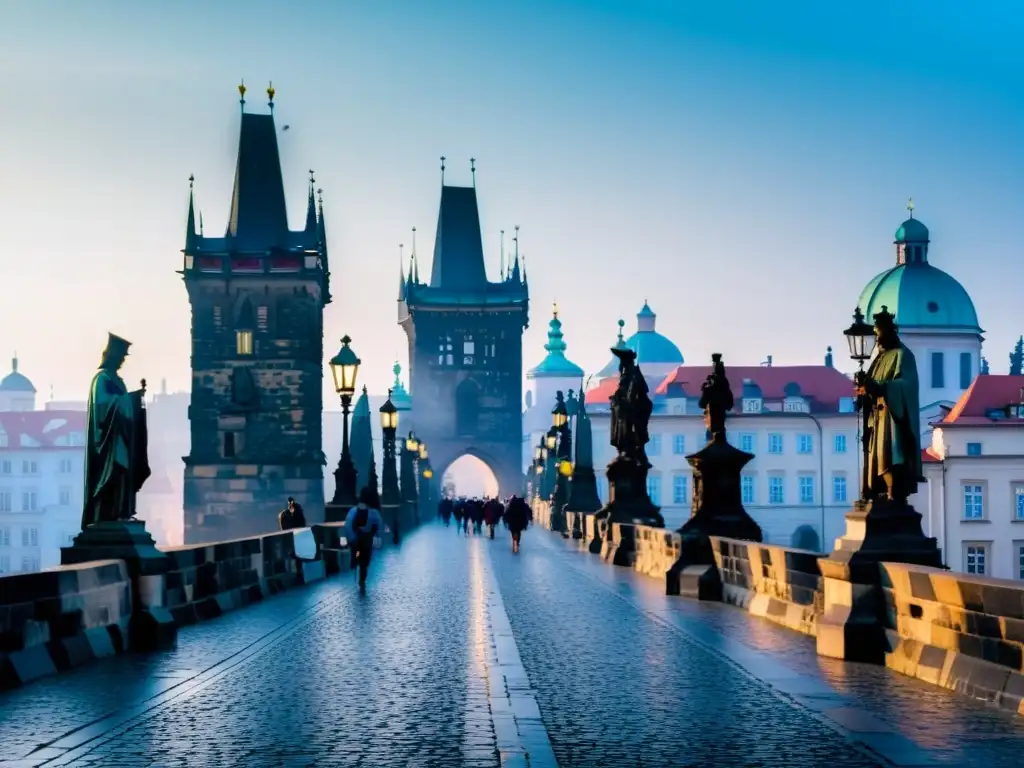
563 462
422 459
344 368
391 498
537 466
551 466
410 449
861 338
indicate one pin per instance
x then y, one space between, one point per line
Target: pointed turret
321 227
401 274
399 394
583 495
515 262
556 364
312 225
258 218
458 246
360 448
191 241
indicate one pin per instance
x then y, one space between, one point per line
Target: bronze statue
116 463
716 397
631 408
888 393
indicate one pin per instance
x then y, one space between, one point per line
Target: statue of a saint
716 397
889 396
116 461
631 407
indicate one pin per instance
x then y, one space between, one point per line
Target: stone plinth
853 624
151 625
336 513
628 504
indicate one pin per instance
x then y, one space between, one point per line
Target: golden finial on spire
472 169
191 180
910 206
241 92
270 94
311 179
556 310
442 169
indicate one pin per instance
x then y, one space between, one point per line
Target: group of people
474 513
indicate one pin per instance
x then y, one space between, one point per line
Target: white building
41 477
936 318
799 423
975 473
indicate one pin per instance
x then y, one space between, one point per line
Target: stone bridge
463 654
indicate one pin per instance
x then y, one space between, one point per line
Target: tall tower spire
401 273
190 227
515 262
311 221
415 261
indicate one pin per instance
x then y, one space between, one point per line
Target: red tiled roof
984 394
34 425
928 456
819 383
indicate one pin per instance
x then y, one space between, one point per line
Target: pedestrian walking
517 516
291 516
362 524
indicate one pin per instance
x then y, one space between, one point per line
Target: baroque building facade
465 346
257 296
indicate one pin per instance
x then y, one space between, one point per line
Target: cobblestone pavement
462 654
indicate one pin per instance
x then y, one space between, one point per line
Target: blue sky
741 165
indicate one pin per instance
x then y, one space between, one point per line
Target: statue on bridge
716 398
631 408
116 460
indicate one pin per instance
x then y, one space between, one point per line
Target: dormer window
794 405
752 405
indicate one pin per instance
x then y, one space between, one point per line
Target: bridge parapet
62 618
962 632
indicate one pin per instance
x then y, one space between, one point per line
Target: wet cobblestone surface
405 676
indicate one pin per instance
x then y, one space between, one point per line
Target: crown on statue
885 320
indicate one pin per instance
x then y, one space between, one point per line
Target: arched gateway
465 347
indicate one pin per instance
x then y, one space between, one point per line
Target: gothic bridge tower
465 346
257 295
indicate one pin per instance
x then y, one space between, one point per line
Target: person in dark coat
292 516
517 516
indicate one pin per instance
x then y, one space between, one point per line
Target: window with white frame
974 501
679 445
751 405
29 467
33 537
774 443
1018 501
806 485
680 486
679 408
5 467
5 536
974 449
5 501
804 444
65 496
654 489
24 537
839 443
775 490
747 442
747 489
975 557
28 501
839 488
654 446
65 466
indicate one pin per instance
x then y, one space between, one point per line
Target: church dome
651 347
920 295
16 382
555 365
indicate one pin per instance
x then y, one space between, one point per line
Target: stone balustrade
66 616
962 632
62 618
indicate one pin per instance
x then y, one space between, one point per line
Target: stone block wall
961 632
62 618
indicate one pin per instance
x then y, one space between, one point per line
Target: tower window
229 445
243 342
468 350
216 317
261 318
938 370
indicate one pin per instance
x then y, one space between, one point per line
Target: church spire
311 220
191 241
415 261
515 263
401 273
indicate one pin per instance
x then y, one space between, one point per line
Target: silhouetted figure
492 514
292 516
445 508
517 516
362 524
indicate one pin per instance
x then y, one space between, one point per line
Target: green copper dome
917 293
556 364
650 346
15 381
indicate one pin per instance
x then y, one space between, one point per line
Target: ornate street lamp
410 479
344 369
563 462
391 499
861 338
422 485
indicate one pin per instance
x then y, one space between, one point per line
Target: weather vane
910 206
270 96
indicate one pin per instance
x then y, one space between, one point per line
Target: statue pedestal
335 513
152 625
628 503
853 623
718 512
582 497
